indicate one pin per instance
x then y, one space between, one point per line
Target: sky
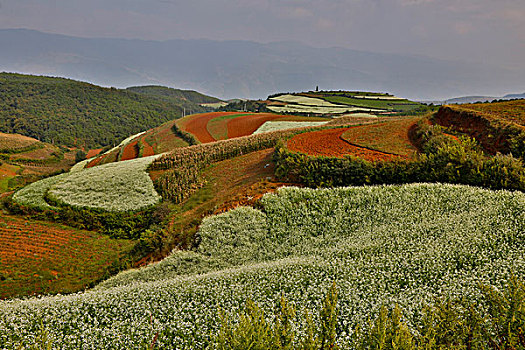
489 31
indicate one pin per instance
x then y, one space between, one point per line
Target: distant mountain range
474 99
242 69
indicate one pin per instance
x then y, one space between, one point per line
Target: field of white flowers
120 186
381 245
33 194
303 100
275 126
292 108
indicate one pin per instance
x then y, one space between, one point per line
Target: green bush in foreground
496 322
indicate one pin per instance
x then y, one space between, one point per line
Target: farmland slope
379 244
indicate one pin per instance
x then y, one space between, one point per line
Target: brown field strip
38 257
329 143
197 125
130 151
390 137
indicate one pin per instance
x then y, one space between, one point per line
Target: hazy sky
491 31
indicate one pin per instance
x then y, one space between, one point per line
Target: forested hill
188 99
72 113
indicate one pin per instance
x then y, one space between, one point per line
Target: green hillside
188 99
78 114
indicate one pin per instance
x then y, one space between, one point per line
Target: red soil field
197 125
95 161
330 144
248 124
93 152
38 257
147 149
131 151
391 137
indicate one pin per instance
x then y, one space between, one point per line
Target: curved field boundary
145 148
197 125
33 195
390 137
248 124
218 127
329 143
120 186
131 151
495 134
277 125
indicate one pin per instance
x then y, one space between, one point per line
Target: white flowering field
33 194
292 108
276 125
303 100
382 245
120 186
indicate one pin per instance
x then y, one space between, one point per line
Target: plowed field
248 124
147 149
37 257
131 151
329 143
390 137
93 152
197 125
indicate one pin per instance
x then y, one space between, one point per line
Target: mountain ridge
233 69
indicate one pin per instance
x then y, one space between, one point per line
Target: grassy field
379 245
511 111
41 258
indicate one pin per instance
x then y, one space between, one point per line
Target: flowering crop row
184 165
381 245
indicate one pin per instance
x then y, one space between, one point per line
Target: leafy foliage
72 113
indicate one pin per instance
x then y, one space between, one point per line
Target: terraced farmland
38 257
379 244
383 141
392 137
512 111
24 159
341 102
329 143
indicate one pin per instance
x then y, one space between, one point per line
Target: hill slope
188 99
379 244
77 114
24 159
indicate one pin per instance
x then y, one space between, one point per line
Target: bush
495 322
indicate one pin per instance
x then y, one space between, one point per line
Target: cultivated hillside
401 242
24 159
380 245
77 114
